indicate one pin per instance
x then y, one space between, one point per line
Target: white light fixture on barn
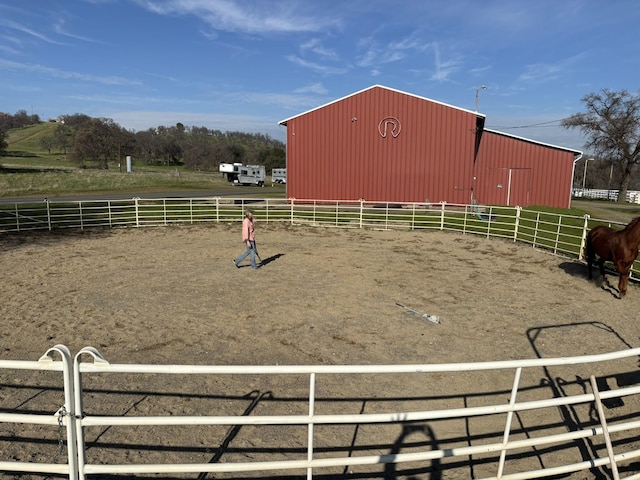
482 87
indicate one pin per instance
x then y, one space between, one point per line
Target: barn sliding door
518 187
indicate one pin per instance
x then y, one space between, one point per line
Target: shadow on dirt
11 241
579 270
272 258
575 269
563 385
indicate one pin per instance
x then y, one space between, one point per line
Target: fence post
67 411
361 212
291 202
135 199
583 240
81 217
442 215
46 200
78 408
17 217
266 213
516 225
386 216
310 431
413 217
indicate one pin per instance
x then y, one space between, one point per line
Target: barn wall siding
510 171
339 151
388 146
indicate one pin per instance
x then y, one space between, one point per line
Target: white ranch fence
562 235
543 418
633 196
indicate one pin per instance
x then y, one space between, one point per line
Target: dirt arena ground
171 295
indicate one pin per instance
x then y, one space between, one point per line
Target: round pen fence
562 235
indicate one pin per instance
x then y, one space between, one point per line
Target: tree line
100 142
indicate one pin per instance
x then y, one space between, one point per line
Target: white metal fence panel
539 421
57 421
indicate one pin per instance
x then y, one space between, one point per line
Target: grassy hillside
25 150
28 138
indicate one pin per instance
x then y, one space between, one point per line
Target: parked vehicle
241 174
279 175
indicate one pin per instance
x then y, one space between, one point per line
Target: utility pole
481 87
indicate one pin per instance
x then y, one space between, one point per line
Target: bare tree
47 142
612 127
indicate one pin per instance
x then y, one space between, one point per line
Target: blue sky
245 65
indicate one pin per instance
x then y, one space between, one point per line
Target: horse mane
632 224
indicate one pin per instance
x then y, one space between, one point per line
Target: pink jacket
247 230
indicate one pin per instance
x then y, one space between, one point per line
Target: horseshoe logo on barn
391 125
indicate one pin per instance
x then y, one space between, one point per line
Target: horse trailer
279 175
241 174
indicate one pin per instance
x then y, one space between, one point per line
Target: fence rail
563 235
565 422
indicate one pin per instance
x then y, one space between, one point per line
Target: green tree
63 137
97 141
611 125
3 143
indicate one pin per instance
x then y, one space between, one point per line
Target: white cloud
316 88
544 72
315 46
248 17
58 27
322 69
29 31
56 73
442 69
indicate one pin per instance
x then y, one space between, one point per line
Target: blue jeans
251 250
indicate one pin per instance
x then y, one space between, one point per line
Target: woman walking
249 240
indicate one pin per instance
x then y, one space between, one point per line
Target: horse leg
601 266
590 254
622 284
589 265
624 268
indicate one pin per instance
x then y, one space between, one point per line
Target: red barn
384 145
514 171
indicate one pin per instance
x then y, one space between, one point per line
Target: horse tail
588 246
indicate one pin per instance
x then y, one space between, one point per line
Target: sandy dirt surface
171 295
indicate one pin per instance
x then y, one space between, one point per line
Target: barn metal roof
284 122
575 152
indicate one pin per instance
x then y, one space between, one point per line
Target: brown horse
617 246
